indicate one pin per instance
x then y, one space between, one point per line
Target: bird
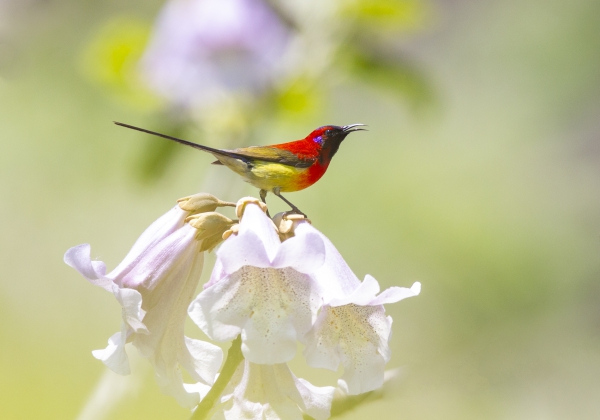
277 168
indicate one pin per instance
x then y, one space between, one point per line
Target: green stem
234 358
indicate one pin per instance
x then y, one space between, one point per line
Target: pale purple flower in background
258 392
261 289
154 285
203 49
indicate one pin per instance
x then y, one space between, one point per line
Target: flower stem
234 358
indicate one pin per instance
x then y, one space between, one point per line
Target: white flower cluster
272 286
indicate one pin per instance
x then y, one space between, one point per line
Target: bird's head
329 137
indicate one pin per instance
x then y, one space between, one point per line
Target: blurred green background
488 195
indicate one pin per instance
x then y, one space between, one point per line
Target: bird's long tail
185 142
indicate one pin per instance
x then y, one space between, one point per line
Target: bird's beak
354 127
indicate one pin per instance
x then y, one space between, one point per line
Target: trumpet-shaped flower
270 392
261 288
351 328
202 49
355 332
154 285
275 282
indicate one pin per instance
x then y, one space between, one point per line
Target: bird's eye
329 133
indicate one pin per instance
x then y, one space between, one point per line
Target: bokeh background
479 177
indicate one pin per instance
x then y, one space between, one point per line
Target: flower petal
357 336
321 349
334 278
160 261
202 360
365 377
217 274
256 244
271 307
269 337
131 302
396 294
243 249
272 392
167 278
79 258
362 295
256 221
114 355
171 383
156 232
220 310
305 252
197 388
316 401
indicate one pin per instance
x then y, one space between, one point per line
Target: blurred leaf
299 99
388 15
399 76
110 61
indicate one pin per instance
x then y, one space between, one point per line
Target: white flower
270 392
275 282
355 332
261 289
155 284
351 328
202 49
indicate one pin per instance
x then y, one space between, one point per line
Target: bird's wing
271 154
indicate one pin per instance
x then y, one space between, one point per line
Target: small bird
278 168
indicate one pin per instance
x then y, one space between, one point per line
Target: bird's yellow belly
269 175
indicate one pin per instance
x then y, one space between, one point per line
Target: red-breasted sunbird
278 168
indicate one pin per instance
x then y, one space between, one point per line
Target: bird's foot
263 198
287 222
294 210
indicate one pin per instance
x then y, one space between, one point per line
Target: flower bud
210 226
287 223
242 202
233 230
201 203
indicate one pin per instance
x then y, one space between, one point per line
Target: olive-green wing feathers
267 154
